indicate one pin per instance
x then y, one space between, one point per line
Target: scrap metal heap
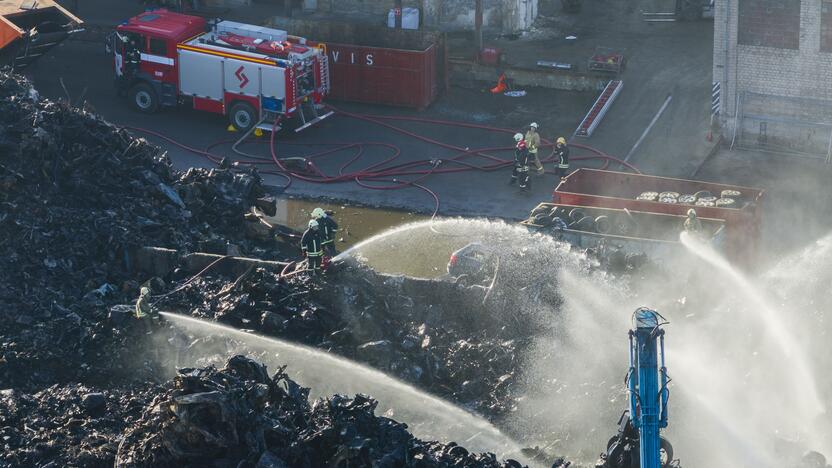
269 422
79 195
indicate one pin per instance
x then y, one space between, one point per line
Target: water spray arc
427 416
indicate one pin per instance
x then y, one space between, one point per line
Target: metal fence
784 125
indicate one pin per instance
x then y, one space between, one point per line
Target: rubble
58 427
239 416
361 315
80 195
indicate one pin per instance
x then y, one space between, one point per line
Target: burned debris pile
77 197
356 313
69 425
239 416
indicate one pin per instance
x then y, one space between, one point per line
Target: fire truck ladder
325 72
599 109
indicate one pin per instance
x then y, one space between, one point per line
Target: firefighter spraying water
638 443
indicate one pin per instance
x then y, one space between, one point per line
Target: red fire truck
251 74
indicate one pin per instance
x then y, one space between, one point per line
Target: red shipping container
490 56
383 76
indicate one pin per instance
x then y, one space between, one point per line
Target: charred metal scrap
238 416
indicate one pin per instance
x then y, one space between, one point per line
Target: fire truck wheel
143 98
242 116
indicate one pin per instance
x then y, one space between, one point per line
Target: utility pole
478 25
397 13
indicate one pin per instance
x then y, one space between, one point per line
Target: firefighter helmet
313 224
691 213
518 136
318 213
533 125
561 140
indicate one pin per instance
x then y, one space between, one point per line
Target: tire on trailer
603 225
624 225
242 116
538 210
143 98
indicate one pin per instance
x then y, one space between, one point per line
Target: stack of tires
578 219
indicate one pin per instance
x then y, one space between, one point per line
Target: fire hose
385 174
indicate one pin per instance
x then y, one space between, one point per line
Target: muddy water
359 223
355 223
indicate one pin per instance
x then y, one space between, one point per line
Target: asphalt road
86 72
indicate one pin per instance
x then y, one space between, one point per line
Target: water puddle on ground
356 224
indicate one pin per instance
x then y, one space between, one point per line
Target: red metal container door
383 76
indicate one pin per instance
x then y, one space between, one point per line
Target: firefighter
328 228
532 143
311 244
692 224
132 59
562 157
521 164
143 307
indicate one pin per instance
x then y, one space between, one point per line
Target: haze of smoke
745 390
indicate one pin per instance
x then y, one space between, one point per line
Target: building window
826 26
769 23
158 47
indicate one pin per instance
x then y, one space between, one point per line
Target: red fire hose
384 172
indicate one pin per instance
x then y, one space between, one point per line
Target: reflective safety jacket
311 243
143 307
328 228
562 153
693 225
521 154
532 141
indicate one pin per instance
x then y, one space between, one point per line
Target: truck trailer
739 207
254 75
632 232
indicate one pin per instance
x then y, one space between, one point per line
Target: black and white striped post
715 107
715 92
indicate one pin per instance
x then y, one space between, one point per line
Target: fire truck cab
254 75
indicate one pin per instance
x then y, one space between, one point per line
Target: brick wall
749 63
826 26
769 23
